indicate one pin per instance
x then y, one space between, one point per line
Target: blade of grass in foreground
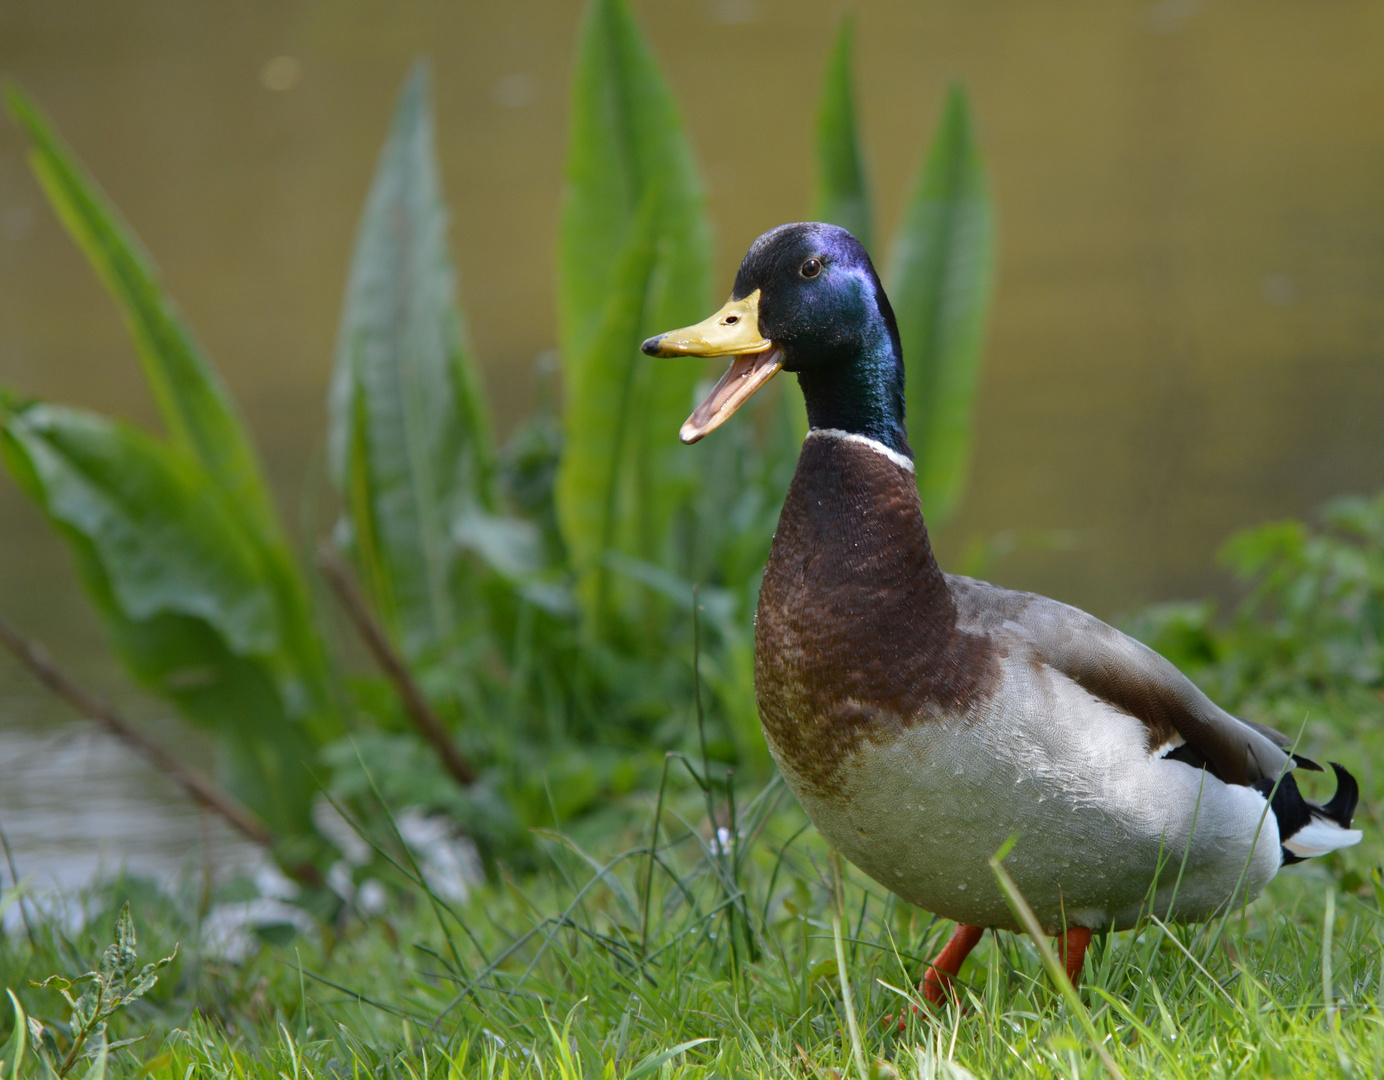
843 197
939 283
1056 971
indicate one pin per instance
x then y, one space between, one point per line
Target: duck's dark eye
731 320
811 268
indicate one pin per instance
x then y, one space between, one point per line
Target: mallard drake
923 718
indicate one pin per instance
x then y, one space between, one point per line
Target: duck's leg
1071 947
937 980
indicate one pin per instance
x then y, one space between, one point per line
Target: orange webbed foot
937 981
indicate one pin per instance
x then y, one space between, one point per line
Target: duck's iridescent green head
807 300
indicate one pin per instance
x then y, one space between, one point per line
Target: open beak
733 331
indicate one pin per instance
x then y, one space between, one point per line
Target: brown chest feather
856 635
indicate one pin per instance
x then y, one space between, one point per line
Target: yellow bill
733 331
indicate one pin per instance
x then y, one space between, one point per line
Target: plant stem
201 788
14 873
392 664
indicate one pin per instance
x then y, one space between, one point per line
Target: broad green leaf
191 398
409 440
843 197
939 282
606 465
194 404
157 527
625 139
183 595
633 260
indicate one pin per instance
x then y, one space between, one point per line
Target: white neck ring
905 463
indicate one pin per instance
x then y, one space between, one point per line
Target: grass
762 955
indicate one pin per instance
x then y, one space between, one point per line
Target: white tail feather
1320 836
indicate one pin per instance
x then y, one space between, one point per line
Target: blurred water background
1187 335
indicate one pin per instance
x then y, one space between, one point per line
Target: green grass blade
654 1062
633 259
192 400
847 1003
409 439
184 596
940 282
843 196
1056 972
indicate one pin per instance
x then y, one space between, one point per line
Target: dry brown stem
343 583
201 788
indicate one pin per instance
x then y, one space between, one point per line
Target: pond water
1188 334
76 804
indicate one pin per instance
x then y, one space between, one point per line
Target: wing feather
1126 673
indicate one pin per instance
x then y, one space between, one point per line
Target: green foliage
939 281
940 275
185 601
843 196
409 433
190 395
160 535
624 141
175 541
12 1053
109 989
201 419
1306 641
605 474
540 595
617 952
633 259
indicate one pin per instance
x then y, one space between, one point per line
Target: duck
923 719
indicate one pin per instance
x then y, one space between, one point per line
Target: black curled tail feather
1294 813
1341 808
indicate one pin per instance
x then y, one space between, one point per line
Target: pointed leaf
161 534
939 282
843 197
125 938
12 1053
624 139
633 259
191 398
409 439
598 480
193 402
